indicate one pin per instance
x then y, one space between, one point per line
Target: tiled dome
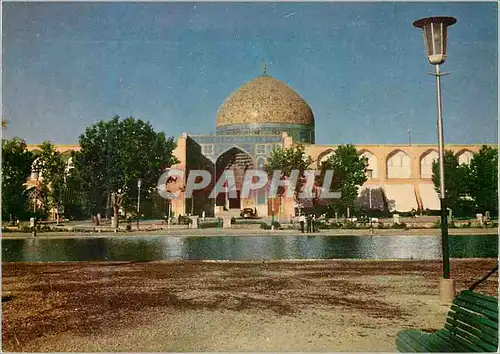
264 100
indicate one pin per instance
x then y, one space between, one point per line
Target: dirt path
200 306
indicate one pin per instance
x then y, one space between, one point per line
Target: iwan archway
237 162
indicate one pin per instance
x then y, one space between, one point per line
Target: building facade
265 114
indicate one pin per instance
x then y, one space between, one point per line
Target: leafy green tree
74 197
16 168
287 160
51 166
113 156
349 173
484 179
457 181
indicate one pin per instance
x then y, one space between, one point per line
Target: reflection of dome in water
265 100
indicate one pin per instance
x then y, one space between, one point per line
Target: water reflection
172 247
149 248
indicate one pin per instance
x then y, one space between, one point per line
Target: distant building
264 114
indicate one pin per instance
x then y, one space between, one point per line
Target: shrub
321 225
428 212
248 222
277 225
405 214
451 225
350 225
401 225
25 228
208 225
335 225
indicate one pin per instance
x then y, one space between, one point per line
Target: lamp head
435 35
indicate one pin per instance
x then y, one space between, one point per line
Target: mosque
266 113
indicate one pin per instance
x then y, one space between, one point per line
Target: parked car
248 213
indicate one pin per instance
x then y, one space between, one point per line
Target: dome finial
264 68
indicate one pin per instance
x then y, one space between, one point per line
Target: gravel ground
225 306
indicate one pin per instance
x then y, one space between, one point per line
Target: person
302 220
313 222
309 223
203 215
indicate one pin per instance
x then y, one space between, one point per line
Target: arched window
465 157
399 165
325 155
36 171
372 169
426 162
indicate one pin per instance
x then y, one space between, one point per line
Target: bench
471 326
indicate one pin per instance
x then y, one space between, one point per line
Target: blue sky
360 66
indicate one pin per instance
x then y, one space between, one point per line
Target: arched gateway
238 162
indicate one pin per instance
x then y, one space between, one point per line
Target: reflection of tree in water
379 201
15 250
133 250
204 248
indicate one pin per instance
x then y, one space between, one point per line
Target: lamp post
370 207
370 202
272 213
35 176
226 200
435 33
138 200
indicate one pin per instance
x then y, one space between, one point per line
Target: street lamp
272 213
139 182
35 176
370 207
435 36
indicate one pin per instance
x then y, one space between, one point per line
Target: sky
360 66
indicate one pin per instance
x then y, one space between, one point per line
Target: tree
113 156
74 197
484 179
52 168
457 181
16 168
349 173
287 160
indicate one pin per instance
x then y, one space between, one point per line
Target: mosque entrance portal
238 161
